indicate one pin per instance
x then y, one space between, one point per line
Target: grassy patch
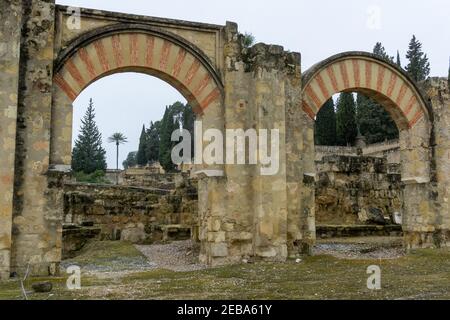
423 274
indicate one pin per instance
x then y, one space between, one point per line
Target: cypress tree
418 66
398 63
325 126
88 155
188 124
168 125
153 141
141 156
346 119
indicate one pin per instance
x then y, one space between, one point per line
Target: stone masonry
45 63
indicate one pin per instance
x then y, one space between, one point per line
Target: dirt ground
337 270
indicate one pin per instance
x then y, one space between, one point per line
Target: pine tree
381 52
88 154
141 156
418 66
346 119
325 126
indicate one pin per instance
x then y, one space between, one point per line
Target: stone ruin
45 63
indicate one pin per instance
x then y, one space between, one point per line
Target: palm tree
117 138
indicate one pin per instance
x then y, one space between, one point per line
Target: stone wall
139 215
357 191
11 16
389 150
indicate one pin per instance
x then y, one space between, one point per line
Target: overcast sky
317 29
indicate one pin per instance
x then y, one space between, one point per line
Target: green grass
424 274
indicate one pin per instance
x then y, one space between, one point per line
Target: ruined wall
36 228
131 214
438 91
246 213
357 191
11 17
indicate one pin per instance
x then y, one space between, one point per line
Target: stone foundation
138 215
350 190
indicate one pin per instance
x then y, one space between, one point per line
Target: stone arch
400 96
368 74
129 48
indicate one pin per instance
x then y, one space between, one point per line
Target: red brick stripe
416 118
380 78
192 72
100 49
410 105
356 73
322 87
75 73
332 76
149 53
344 73
179 62
117 50
368 74
310 92
165 52
213 96
392 83
134 49
203 84
401 94
59 80
308 110
84 56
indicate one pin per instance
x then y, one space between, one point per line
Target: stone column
36 229
10 17
439 93
419 214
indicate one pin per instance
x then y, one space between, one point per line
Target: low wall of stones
357 191
139 215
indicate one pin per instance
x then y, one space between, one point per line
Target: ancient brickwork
10 15
131 214
44 64
351 190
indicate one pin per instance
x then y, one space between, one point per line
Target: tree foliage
88 155
418 66
325 126
346 119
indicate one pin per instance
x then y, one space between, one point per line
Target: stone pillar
10 17
419 214
36 229
439 93
252 221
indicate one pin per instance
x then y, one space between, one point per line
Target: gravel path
361 248
179 256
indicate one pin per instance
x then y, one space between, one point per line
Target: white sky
317 29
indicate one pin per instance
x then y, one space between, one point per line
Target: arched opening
364 189
93 60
